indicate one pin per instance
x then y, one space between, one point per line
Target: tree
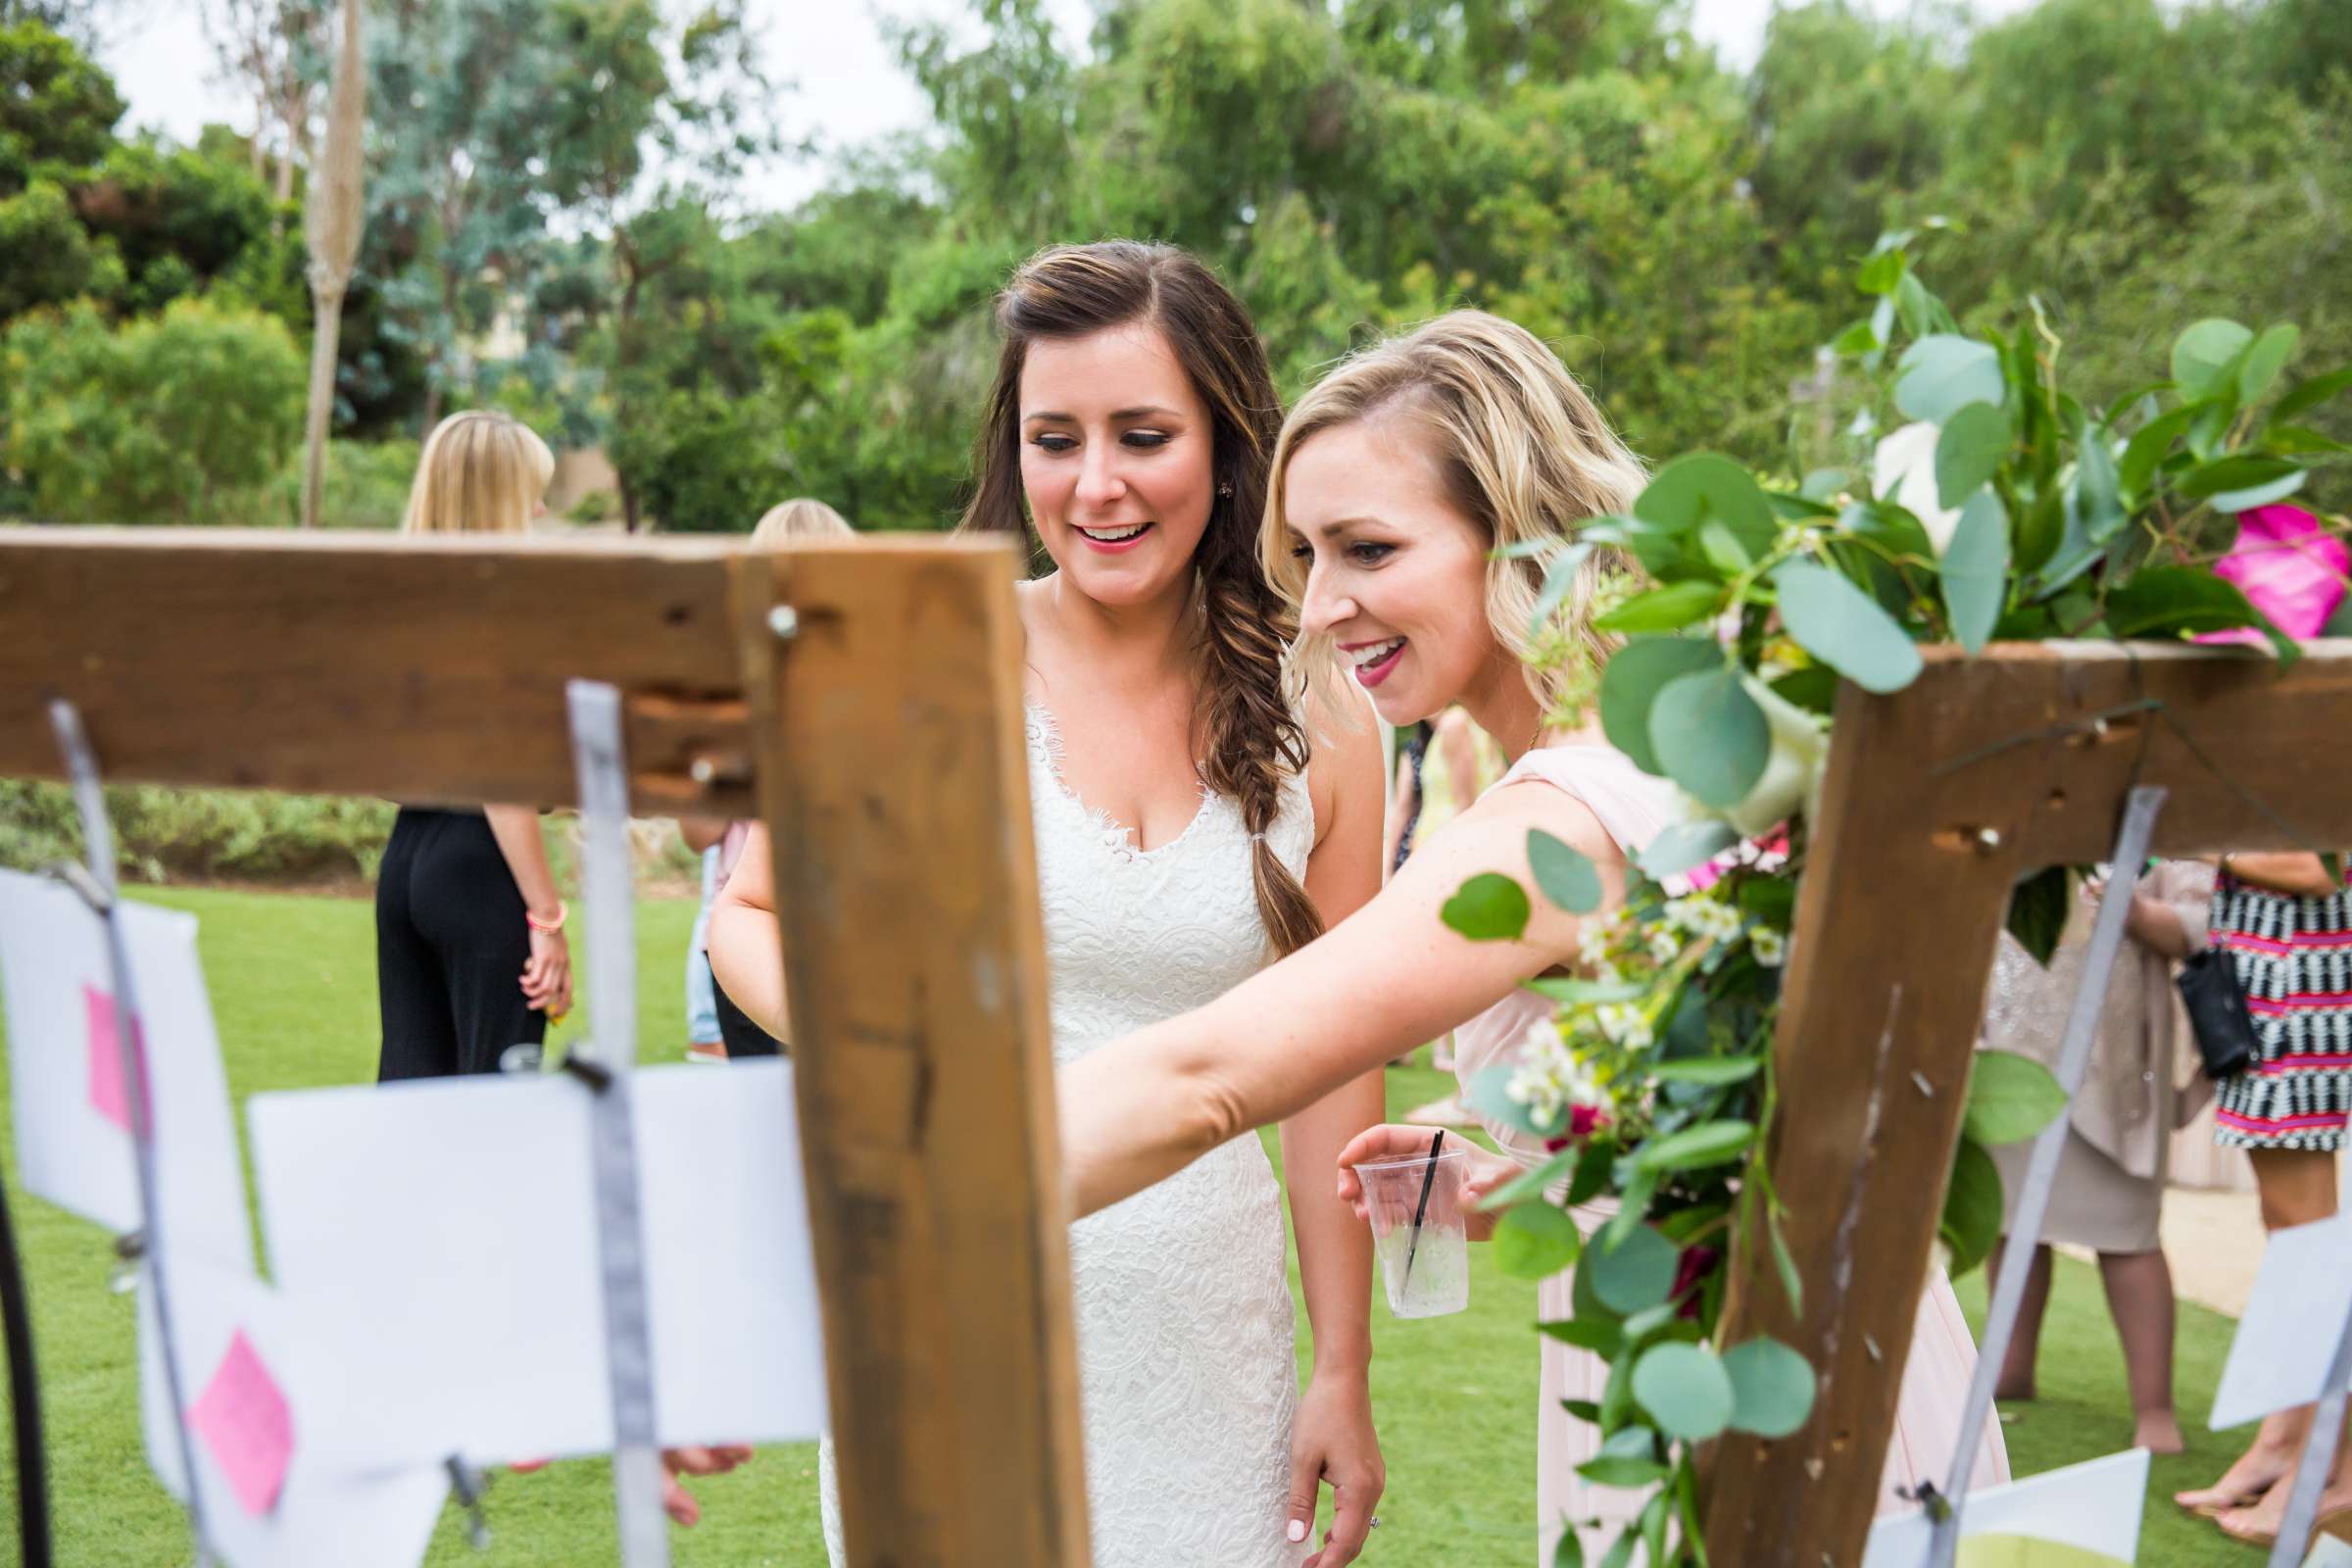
57 107
275 50
181 417
332 220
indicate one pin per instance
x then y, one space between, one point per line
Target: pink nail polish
1297 1530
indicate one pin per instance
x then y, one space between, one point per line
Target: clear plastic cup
1426 1269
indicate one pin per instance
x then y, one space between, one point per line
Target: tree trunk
326 310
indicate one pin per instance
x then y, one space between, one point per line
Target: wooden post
884 742
888 710
1936 800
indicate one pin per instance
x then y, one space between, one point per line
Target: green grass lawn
293 990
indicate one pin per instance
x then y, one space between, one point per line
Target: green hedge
161 833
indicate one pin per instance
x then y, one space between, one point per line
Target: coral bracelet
549 926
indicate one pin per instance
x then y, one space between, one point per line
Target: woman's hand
1392 1141
1332 1441
547 975
714 1460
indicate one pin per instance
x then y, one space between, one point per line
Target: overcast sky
847 86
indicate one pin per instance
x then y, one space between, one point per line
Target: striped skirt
2294 959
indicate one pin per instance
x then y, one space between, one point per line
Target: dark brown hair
1248 737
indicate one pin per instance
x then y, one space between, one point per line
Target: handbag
2217 1016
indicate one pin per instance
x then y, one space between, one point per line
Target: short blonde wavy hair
480 473
800 518
1526 456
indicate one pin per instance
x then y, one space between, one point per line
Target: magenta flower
2291 569
1690 1270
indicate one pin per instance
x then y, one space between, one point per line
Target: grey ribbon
2034 1200
98 843
612 974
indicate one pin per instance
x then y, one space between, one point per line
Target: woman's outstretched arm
1388 978
746 944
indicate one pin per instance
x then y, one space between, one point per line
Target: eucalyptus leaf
2260 495
1942 373
1881 272
1710 736
2010 1098
1685 1391
2239 471
1686 844
2100 486
1692 489
1668 608
1710 1143
1487 908
1844 628
2264 360
1631 680
1488 1093
1634 1274
1529 1184
2148 446
1599 1335
2038 912
1975 570
1559 578
1793 1284
1772 1388
2177 601
1971 1206
1612 1472
1713 1072
2311 394
1969 452
1565 874
2202 354
1536 1240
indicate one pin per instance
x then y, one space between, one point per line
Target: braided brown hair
1250 739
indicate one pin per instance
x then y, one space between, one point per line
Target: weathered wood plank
423 669
1935 801
894 772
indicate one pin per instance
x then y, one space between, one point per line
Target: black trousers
450 946
743 1037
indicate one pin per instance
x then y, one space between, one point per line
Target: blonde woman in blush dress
1397 484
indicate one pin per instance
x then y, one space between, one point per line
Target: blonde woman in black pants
470 949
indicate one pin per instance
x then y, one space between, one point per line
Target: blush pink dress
1631 808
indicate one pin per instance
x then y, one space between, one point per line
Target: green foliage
161 833
57 107
175 418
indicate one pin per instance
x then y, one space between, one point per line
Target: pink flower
1583 1122
2289 567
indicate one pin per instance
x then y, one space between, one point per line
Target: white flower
1607 973
1663 949
1902 469
1769 947
1592 944
1624 1025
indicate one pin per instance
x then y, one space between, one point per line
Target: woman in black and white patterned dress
2287 922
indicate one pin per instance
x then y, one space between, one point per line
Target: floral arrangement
1995 506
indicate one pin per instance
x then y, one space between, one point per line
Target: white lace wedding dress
1187 1369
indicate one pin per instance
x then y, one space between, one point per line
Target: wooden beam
1935 801
894 772
423 669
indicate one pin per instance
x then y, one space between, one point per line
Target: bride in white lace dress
1180 847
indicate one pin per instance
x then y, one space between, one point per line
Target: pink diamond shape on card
246 1426
108 1091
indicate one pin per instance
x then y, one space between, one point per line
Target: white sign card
2095 1507
454 1221
2294 1319
73 1120
273 1498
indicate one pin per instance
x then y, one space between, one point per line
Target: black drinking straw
1420 1209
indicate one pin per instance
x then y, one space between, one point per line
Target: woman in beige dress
2110 1186
1411 492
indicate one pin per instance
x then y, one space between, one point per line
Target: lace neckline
1044 735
